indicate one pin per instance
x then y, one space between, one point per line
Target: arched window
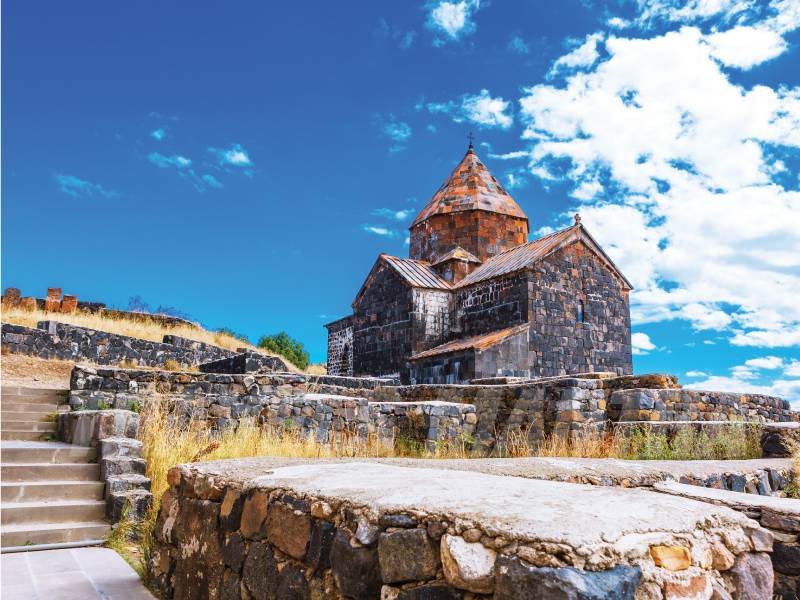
581 312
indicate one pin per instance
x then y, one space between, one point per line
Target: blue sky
247 162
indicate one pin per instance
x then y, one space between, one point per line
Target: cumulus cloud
402 214
76 187
746 47
584 55
480 109
379 230
765 362
641 343
235 156
452 20
696 374
397 131
158 134
673 167
183 166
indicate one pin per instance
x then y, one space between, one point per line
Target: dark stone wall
52 340
482 233
559 343
340 347
382 325
491 305
458 367
246 362
430 321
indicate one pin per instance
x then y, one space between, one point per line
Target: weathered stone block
517 579
407 555
355 570
468 566
260 572
752 577
288 529
254 515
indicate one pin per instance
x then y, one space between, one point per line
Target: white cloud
235 156
397 131
452 19
690 10
158 134
765 362
485 111
379 230
583 56
787 389
792 369
746 47
641 343
76 187
481 109
165 162
696 374
671 163
398 215
211 181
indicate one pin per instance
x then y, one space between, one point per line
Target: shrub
283 344
172 365
234 334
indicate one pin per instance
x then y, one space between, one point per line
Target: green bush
284 345
234 334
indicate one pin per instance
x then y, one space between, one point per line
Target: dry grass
141 327
793 489
29 371
317 369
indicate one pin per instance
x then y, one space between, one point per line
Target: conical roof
470 187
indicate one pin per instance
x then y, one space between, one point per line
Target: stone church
476 299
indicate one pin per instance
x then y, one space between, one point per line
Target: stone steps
21 434
17 416
54 453
50 472
31 491
10 408
31 535
37 426
41 511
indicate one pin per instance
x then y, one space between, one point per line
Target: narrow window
581 312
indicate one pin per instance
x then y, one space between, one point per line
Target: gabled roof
470 187
415 273
524 255
457 253
478 342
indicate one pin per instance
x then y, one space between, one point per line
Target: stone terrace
241 529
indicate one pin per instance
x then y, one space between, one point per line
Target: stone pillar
52 303
11 298
69 304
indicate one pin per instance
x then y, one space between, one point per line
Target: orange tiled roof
478 342
470 187
520 257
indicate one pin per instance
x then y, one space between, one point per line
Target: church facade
476 299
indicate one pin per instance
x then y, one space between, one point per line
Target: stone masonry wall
340 347
53 340
490 305
382 328
235 529
560 344
283 402
246 362
692 405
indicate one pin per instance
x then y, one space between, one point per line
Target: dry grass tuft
142 327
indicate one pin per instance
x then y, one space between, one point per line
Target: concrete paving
72 574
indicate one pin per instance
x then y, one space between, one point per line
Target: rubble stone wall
491 305
53 340
640 404
339 531
246 362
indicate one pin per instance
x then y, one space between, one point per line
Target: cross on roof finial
577 219
471 138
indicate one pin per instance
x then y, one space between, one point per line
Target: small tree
281 343
234 334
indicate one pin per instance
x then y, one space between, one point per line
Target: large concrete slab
79 573
581 516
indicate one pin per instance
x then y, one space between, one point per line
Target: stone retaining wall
245 362
237 529
119 453
691 405
779 516
282 401
53 340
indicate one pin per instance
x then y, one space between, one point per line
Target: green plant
282 343
135 406
103 405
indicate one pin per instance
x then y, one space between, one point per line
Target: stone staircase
51 493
